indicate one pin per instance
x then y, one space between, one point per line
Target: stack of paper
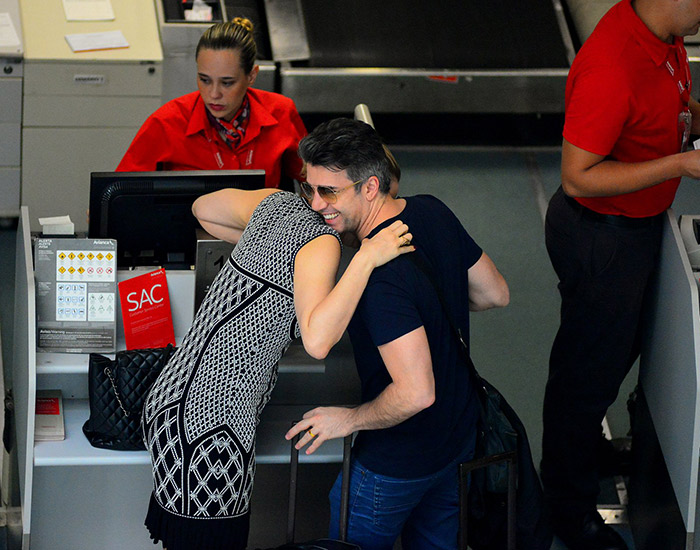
49 425
57 225
94 41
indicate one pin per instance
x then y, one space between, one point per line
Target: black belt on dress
611 219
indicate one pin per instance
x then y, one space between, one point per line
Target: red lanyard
683 87
684 117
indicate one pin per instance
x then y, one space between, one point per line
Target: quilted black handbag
117 389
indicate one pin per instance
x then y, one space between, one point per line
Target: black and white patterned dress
201 414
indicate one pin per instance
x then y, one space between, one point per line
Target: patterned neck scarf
232 132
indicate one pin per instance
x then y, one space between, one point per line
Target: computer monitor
150 213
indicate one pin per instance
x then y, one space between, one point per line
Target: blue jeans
424 511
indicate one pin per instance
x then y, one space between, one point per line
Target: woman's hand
389 243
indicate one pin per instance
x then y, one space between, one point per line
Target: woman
226 125
201 414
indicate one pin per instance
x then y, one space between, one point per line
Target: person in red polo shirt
628 117
226 125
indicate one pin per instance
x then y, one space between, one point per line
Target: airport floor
500 195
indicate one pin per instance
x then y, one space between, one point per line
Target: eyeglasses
327 194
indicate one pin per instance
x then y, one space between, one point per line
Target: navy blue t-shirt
398 299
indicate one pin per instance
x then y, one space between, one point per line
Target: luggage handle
465 469
344 494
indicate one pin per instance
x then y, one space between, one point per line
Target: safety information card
76 294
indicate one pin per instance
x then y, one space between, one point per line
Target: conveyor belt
405 56
454 34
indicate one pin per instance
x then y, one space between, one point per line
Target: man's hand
320 425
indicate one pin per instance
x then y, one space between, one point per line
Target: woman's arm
324 310
225 213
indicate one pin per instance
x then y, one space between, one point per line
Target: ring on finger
310 433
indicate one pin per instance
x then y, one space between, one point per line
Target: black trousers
604 271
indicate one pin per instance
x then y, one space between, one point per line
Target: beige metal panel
9 192
11 104
56 167
92 79
88 111
9 143
44 26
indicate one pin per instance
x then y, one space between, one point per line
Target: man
628 118
418 413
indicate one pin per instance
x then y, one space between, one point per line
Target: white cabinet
11 51
82 109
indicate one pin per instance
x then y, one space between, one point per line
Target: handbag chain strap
167 352
116 393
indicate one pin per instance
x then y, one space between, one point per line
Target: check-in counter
82 109
74 496
11 53
664 484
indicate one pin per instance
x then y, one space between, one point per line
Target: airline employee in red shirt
629 114
227 124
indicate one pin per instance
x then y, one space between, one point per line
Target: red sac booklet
148 321
49 425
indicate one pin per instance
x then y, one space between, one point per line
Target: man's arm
487 287
585 174
411 390
225 213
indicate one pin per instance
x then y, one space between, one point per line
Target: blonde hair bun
237 35
247 24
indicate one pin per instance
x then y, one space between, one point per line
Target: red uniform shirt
179 136
624 94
